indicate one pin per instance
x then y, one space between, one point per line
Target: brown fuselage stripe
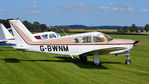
11 39
84 44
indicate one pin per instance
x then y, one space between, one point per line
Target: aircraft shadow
88 64
8 49
76 61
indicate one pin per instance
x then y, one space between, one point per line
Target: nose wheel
128 61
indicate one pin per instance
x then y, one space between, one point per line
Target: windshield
98 38
108 37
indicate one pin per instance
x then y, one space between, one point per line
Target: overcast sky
85 12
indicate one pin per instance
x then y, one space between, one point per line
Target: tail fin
21 33
4 33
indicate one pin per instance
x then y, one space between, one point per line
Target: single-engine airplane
84 44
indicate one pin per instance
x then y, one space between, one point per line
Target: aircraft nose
136 42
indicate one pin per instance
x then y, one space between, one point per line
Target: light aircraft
84 44
7 37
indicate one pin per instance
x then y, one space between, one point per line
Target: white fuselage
70 45
77 49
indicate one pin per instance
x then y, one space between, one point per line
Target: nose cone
136 43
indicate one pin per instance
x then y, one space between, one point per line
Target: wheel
128 61
83 58
99 64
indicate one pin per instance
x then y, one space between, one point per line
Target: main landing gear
96 58
83 58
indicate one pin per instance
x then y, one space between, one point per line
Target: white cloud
145 10
84 7
50 11
130 9
80 6
103 8
127 5
33 11
1 11
123 9
33 4
110 4
118 9
32 8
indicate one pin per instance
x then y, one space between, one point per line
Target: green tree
66 29
43 27
6 22
94 28
37 26
142 30
125 28
133 28
120 29
29 26
146 28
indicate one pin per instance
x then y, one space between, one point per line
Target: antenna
64 32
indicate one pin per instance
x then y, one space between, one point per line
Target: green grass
92 30
17 67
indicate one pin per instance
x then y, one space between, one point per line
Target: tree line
36 26
133 28
33 27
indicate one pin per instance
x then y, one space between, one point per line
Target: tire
83 58
128 61
98 64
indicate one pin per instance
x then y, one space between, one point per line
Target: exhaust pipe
136 43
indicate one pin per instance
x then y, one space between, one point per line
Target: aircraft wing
107 51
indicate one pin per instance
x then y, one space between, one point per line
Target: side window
44 36
58 35
76 40
53 35
50 36
86 39
98 39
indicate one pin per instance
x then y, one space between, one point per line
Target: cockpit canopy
92 38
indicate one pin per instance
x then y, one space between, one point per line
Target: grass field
17 67
92 30
113 31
